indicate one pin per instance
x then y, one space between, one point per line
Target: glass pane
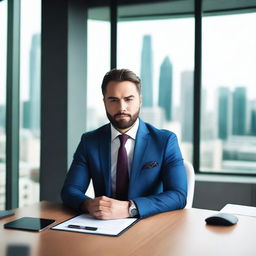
3 57
98 63
30 76
98 53
228 125
158 51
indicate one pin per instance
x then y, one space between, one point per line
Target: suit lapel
138 155
105 158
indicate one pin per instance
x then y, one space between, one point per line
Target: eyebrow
116 98
112 98
128 97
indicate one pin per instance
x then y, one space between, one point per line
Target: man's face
122 103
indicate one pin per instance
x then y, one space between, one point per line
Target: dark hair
120 75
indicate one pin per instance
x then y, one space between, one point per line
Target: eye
129 99
113 100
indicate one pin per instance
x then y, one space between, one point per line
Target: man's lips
121 116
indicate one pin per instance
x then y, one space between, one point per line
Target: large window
98 61
157 50
157 41
30 58
3 55
228 113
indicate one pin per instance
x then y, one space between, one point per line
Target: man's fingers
104 208
103 201
108 208
105 213
105 198
117 209
101 207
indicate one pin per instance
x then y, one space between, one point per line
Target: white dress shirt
129 146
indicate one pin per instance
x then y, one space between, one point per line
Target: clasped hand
106 208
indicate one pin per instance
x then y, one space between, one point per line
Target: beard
123 123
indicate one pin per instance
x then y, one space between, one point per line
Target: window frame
198 14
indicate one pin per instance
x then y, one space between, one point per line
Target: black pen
82 227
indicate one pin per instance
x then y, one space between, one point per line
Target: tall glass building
165 88
147 72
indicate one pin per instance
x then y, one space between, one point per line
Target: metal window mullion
12 104
113 34
197 84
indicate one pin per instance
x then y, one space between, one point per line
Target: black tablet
29 223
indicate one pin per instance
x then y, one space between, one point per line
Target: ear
140 100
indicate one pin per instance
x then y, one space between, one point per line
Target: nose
123 105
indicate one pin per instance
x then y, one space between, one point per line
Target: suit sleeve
174 182
77 179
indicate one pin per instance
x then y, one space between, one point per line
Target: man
136 169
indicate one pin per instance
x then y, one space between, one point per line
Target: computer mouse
222 219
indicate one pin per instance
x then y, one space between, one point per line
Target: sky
229 52
30 24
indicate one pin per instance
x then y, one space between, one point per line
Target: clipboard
87 224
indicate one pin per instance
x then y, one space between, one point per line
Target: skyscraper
253 122
253 117
147 72
26 117
165 88
31 110
186 102
239 111
223 112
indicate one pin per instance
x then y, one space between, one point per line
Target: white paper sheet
104 227
239 209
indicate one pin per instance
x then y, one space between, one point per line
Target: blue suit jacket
158 180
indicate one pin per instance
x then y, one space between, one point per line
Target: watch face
134 212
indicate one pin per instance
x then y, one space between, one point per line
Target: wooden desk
182 232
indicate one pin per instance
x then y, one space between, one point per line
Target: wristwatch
133 212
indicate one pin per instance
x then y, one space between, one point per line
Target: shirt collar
132 132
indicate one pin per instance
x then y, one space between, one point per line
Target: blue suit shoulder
160 133
101 131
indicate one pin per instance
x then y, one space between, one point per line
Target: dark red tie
122 175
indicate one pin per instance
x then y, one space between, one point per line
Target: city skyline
147 48
228 102
156 74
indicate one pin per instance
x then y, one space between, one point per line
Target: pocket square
150 165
